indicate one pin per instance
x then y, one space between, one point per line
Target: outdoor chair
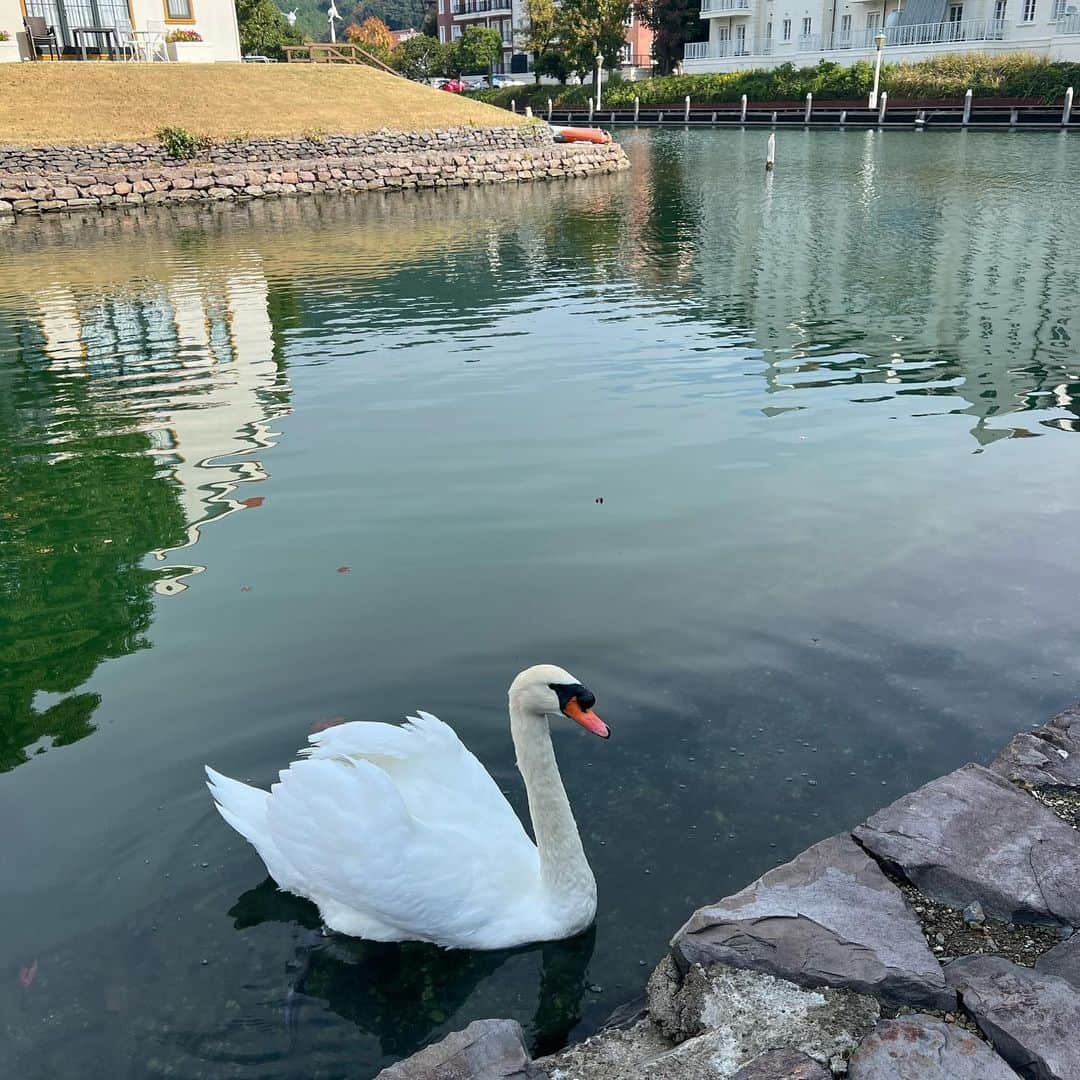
41 35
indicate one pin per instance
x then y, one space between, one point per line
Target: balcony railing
942 33
478 7
725 7
1070 24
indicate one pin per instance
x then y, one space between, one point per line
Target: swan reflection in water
406 994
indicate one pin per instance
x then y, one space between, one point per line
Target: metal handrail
478 7
711 7
864 40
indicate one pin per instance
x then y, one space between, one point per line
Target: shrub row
1020 75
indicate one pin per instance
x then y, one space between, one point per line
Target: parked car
453 86
499 81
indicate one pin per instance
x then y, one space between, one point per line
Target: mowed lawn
74 102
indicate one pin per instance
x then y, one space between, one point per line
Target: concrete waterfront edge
718 1005
49 179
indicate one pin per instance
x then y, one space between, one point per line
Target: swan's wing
434 772
343 824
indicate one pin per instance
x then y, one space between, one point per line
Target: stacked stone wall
37 180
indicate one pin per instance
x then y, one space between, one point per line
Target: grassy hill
87 103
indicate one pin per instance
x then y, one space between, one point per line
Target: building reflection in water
134 416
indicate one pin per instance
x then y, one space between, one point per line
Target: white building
766 33
151 20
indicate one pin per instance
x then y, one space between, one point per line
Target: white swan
400 834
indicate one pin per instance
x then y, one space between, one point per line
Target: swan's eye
567 692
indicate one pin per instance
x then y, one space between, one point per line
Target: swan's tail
245 809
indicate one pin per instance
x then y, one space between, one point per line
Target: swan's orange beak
586 718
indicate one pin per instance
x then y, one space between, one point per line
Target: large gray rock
708 1025
1047 755
924 1048
829 917
972 835
1032 1019
485 1050
782 1065
1063 961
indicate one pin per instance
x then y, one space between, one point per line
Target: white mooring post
660 118
774 117
613 116
742 111
1014 116
770 152
528 111
550 105
809 108
843 117
967 107
637 108
714 117
513 105
686 110
1066 112
881 107
590 109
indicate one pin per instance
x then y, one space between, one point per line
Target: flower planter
9 52
191 52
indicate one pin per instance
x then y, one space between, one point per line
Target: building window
179 11
442 34
806 25
999 10
787 30
768 31
455 33
1029 11
872 21
956 13
845 24
1059 9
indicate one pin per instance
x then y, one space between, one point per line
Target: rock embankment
835 964
41 180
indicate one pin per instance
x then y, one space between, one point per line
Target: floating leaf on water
255 500
343 569
27 975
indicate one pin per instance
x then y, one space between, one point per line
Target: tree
476 50
541 37
420 58
554 64
591 27
673 23
263 28
373 34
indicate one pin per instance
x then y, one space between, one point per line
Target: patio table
78 36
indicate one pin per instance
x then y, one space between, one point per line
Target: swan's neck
563 867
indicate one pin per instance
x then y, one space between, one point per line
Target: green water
266 465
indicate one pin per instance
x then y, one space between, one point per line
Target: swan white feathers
398 832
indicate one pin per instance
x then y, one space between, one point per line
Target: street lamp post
599 73
879 43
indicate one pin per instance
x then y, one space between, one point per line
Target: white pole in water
879 44
590 109
770 153
742 112
513 105
881 107
967 108
599 78
1066 112
809 108
637 108
843 118
686 110
549 110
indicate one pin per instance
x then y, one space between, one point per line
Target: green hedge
1013 75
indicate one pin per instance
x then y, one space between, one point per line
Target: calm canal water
263 466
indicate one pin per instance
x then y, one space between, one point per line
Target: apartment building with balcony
508 17
766 33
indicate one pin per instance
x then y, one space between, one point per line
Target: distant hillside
311 14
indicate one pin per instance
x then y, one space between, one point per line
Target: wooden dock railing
341 53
